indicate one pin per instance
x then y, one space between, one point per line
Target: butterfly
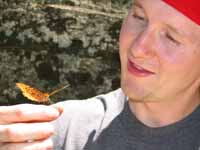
36 95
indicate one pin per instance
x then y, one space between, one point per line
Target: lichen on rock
48 43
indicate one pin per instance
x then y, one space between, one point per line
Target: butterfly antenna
58 90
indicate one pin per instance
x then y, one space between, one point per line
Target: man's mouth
137 70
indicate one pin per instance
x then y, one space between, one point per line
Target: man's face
159 52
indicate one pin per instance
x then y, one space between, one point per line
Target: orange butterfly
36 95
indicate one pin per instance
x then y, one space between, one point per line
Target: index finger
27 113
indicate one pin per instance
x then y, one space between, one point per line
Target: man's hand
27 127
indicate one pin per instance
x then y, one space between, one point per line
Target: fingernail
53 112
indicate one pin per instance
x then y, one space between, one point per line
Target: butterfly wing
33 93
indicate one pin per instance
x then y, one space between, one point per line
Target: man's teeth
139 68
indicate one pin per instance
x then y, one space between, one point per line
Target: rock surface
50 43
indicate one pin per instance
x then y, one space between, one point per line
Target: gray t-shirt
105 122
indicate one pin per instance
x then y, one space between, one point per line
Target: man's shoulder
83 118
98 105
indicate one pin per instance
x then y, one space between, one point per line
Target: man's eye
172 39
138 17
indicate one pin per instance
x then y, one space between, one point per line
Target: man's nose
144 44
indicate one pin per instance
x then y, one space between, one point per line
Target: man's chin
138 96
132 94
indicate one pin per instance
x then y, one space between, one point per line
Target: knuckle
19 113
6 146
9 134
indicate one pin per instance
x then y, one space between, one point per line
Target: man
157 107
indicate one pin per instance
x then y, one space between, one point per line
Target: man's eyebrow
138 4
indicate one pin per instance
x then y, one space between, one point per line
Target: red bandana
190 8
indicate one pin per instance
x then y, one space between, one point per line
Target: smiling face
159 52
